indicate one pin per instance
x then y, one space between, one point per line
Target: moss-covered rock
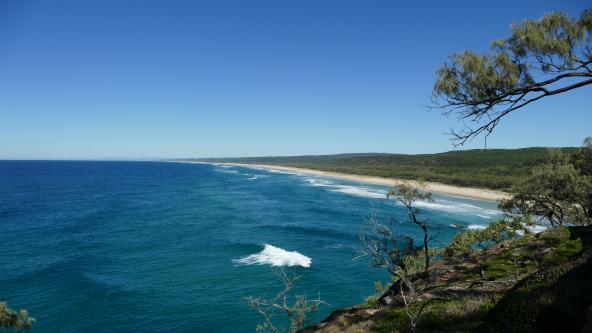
538 283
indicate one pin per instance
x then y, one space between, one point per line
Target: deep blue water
152 246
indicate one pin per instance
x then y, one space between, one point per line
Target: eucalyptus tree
541 58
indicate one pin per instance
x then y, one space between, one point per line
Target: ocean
161 247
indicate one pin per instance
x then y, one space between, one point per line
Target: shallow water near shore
155 246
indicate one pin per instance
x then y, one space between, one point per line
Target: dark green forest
489 168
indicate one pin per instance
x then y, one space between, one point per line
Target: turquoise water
154 246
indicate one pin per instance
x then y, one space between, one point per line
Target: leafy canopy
559 191
541 58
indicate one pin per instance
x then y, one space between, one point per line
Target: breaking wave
360 191
226 170
444 205
275 256
458 208
319 182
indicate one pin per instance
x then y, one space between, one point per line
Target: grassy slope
539 283
492 168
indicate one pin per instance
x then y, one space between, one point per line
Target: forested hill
491 168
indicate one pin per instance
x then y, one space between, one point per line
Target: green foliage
548 289
282 304
492 168
554 299
566 246
462 314
382 245
495 232
509 266
17 320
415 262
540 58
559 191
407 195
379 290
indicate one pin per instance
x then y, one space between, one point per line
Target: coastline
466 192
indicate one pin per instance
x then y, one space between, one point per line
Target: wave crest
275 256
360 191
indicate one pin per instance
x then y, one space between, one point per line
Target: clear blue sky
132 79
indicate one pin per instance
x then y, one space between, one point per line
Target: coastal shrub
496 232
379 290
554 299
295 309
415 262
560 191
384 246
462 314
17 320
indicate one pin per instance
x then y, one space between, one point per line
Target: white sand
467 192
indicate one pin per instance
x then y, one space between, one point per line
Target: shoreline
465 192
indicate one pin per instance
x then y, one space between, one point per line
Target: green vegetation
492 168
470 240
293 308
384 246
502 278
462 314
535 283
559 191
541 58
17 320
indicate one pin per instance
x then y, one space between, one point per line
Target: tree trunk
425 246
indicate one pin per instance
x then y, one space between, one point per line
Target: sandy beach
467 192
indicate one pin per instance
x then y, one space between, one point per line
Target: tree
296 312
498 231
541 58
383 246
12 319
559 191
407 196
386 248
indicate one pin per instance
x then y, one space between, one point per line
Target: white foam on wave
360 191
282 171
368 192
319 182
275 256
226 170
458 208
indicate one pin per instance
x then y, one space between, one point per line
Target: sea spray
275 256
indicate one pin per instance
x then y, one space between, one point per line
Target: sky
163 79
